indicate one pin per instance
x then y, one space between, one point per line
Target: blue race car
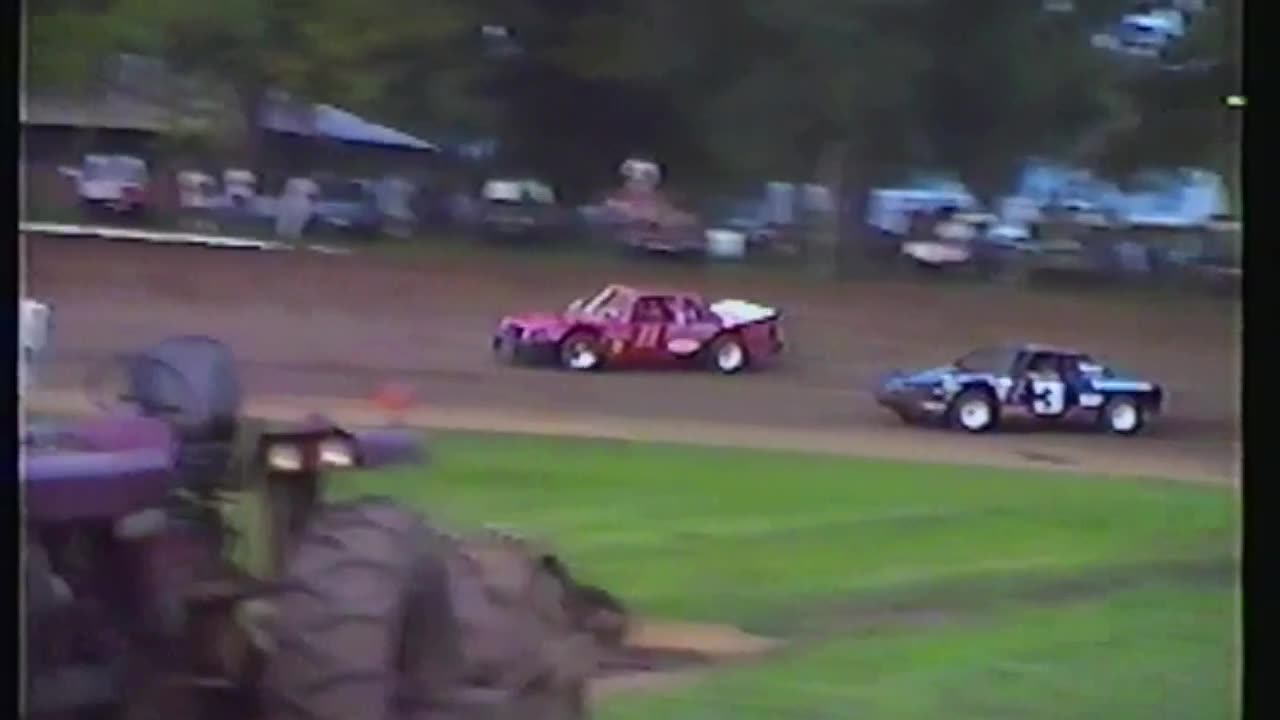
1041 382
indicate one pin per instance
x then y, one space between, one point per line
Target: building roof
117 111
112 112
334 123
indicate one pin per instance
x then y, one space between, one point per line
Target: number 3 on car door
1048 397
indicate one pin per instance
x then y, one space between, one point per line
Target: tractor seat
196 375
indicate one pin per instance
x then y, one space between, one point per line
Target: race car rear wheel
580 352
974 411
1123 415
727 355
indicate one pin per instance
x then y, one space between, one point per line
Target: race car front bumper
532 352
912 402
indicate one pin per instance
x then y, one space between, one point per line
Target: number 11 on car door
647 337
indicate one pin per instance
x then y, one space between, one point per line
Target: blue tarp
336 124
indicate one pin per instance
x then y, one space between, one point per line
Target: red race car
626 327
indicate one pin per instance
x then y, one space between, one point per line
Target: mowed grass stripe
1154 653
731 535
903 591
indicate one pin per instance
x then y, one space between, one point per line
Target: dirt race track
339 326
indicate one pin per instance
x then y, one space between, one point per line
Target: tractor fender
68 486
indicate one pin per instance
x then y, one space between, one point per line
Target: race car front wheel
1123 415
580 352
974 411
505 348
727 355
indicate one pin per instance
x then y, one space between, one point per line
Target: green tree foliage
63 42
777 87
720 91
367 56
1177 113
1006 80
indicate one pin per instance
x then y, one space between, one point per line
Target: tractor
134 609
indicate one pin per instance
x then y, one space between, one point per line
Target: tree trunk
854 232
825 242
250 96
852 174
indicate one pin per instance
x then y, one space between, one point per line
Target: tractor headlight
285 458
337 452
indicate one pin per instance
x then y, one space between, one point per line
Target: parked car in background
891 209
345 206
395 200
762 232
200 201
1018 258
908 214
1208 254
646 220
234 206
518 207
1144 34
111 184
948 239
640 216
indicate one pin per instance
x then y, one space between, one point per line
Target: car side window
602 300
1045 366
1074 368
692 312
997 361
615 308
652 310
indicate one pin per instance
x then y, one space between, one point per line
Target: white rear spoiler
735 313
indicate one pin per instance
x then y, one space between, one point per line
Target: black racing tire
601 613
364 620
960 415
506 348
1123 415
570 346
727 355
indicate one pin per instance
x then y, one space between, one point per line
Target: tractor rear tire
601 613
364 623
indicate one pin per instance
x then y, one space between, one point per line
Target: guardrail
106 232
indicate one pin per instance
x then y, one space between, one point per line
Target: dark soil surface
307 324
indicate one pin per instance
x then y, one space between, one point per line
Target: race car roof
1045 348
651 291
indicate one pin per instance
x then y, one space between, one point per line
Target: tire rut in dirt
365 628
